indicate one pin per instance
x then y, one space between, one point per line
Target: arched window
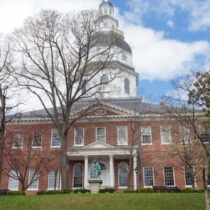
123 175
127 86
78 175
104 79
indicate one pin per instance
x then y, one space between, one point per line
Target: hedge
19 192
107 189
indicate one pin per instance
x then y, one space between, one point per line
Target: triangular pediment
98 145
101 108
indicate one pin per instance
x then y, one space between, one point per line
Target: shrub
145 190
66 191
41 192
52 192
81 191
16 192
129 191
107 189
191 190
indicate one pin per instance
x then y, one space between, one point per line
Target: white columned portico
111 170
86 173
134 172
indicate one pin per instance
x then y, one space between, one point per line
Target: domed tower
107 29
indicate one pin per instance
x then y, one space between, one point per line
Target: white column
86 173
111 170
134 173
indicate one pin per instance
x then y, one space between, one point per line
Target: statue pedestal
95 185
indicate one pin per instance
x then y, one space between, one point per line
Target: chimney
162 103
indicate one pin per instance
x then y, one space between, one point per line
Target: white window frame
104 133
83 130
144 134
169 134
185 178
152 177
11 181
30 187
173 177
200 132
14 141
126 140
58 180
33 139
182 136
52 139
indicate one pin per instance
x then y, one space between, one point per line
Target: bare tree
185 109
63 60
23 152
7 92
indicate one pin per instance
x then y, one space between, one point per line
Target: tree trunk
140 171
2 129
64 163
205 183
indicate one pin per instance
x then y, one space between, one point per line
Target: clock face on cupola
122 62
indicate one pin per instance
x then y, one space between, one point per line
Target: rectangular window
101 134
33 180
188 176
37 140
122 136
13 181
53 180
204 134
169 176
79 136
146 136
165 134
55 141
18 141
148 176
185 134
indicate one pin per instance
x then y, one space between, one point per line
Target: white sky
154 55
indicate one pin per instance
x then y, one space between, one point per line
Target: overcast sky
169 38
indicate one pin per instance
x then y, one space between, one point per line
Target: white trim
150 134
33 140
161 137
185 179
58 180
37 180
14 141
173 176
104 133
182 136
126 130
83 130
152 177
9 180
52 139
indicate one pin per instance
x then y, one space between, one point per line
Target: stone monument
95 181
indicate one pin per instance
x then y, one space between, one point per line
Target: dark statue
95 170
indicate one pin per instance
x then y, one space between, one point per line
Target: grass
122 201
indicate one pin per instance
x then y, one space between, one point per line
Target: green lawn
162 201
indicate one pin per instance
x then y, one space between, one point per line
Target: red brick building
105 135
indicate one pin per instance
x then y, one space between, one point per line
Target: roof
132 103
106 3
112 39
